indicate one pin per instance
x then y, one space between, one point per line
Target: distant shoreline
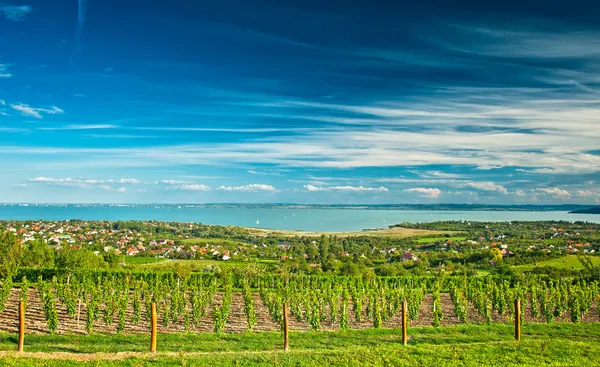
594 210
571 208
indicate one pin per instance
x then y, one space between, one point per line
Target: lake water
316 220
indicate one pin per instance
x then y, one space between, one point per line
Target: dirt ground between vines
237 323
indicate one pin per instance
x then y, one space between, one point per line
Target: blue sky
299 101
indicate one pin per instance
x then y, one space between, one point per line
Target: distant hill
594 210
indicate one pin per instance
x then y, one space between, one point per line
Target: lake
316 220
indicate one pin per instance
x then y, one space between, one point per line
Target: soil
236 323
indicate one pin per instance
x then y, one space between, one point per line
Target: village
195 241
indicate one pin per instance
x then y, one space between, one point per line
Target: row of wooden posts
286 341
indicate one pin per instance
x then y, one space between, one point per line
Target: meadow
470 345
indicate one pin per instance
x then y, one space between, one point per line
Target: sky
306 101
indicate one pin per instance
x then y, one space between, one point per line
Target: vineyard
120 302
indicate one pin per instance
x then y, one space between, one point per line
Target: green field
439 239
565 262
475 345
141 260
395 232
198 265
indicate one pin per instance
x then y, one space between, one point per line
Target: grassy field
139 260
565 262
473 345
397 232
438 239
198 265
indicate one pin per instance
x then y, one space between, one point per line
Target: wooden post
286 342
517 319
404 323
153 323
78 312
21 325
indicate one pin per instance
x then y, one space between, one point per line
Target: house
284 246
407 256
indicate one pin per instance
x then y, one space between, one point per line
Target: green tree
323 249
11 251
38 255
496 255
72 259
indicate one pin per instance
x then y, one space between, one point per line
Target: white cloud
194 187
183 185
14 12
129 181
426 192
80 127
483 186
37 113
315 188
248 188
588 194
520 193
4 74
555 192
174 182
439 174
48 179
346 188
85 183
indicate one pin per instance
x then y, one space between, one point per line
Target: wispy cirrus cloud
83 183
4 73
520 43
431 193
463 110
15 13
80 127
36 112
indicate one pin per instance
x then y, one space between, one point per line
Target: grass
197 265
141 260
473 345
438 239
565 262
396 232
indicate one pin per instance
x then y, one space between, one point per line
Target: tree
11 251
38 255
496 255
72 259
323 249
